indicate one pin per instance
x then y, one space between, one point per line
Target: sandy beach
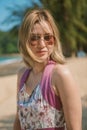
8 80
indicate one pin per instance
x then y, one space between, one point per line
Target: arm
69 94
16 125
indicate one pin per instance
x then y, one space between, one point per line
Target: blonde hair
26 27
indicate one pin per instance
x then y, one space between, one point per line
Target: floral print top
35 113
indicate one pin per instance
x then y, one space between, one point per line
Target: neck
38 67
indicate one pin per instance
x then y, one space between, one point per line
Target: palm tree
17 14
70 17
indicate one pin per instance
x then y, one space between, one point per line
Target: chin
43 59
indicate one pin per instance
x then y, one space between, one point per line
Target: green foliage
9 39
8 44
70 17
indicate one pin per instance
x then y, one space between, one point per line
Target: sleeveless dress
42 110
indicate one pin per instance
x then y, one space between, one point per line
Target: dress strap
24 78
46 87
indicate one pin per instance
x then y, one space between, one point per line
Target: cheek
33 49
50 49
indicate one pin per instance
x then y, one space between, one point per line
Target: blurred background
71 19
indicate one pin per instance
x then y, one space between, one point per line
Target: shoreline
11 68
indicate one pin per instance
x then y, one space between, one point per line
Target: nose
42 42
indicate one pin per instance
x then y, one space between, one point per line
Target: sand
78 68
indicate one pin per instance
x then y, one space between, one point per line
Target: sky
4 12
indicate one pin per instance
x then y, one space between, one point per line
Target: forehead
41 28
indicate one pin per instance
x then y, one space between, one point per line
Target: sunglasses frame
35 38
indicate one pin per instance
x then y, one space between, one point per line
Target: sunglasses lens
47 38
35 38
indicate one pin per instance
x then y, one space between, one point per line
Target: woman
48 97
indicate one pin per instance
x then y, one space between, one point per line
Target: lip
41 52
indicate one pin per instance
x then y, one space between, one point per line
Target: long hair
41 16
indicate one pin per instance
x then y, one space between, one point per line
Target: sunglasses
48 38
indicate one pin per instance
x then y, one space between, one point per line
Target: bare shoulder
61 70
21 71
62 77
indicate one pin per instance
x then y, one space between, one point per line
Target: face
42 42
